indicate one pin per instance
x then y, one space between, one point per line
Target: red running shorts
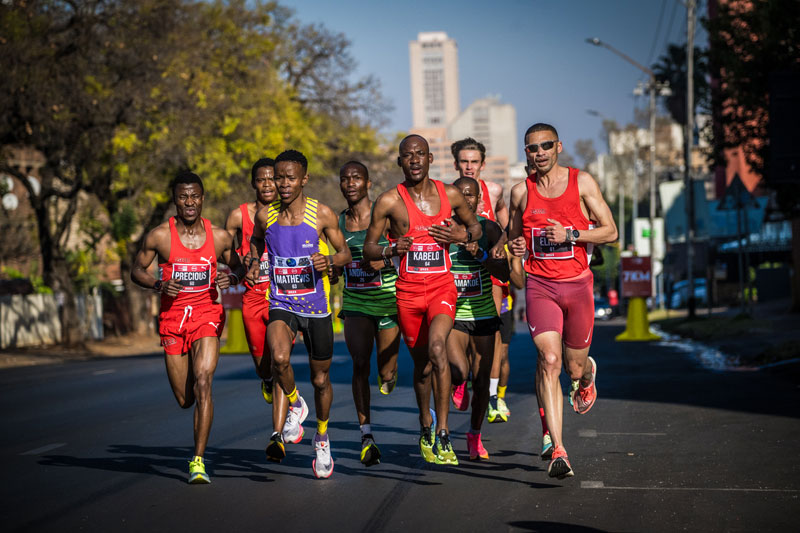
180 327
566 307
255 314
417 304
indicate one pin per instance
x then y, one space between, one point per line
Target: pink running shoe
475 447
583 398
461 397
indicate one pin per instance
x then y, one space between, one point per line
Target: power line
658 31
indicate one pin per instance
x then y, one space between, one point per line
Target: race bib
544 249
468 284
293 276
263 269
193 278
357 278
425 259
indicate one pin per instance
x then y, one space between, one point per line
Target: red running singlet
195 269
262 284
547 259
426 261
485 208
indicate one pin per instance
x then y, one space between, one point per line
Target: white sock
366 429
493 382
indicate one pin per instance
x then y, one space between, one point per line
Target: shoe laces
559 452
367 439
444 440
425 434
585 393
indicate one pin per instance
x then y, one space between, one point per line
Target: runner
369 307
190 321
255 305
469 158
498 410
292 231
417 213
476 319
549 219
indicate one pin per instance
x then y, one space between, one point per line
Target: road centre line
102 372
601 485
43 449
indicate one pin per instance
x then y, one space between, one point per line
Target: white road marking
102 372
593 433
601 485
43 449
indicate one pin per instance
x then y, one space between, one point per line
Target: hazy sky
532 53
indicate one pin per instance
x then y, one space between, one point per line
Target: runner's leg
359 333
548 370
457 344
180 379
388 346
205 356
438 331
483 350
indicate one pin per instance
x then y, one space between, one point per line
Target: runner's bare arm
377 227
234 224
517 274
500 207
605 229
155 243
225 252
516 242
456 232
256 245
494 236
329 225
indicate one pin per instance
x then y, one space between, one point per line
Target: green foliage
84 269
36 280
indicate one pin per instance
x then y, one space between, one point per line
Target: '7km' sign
636 277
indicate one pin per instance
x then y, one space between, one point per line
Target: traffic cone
237 340
638 325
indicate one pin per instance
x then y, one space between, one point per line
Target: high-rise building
490 122
433 59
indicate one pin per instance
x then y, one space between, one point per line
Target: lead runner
550 219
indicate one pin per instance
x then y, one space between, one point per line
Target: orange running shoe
461 397
583 398
559 466
475 447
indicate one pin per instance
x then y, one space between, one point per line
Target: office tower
433 59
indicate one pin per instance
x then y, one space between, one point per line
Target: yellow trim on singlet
326 282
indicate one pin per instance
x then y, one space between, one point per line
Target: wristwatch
469 235
157 285
574 235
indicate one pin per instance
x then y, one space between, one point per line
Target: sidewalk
768 336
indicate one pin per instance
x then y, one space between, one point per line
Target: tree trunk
139 300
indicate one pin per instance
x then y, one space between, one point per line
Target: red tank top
485 208
262 284
426 261
546 259
196 270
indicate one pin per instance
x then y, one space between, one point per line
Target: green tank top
473 282
371 293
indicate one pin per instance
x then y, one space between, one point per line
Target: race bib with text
357 278
425 259
193 277
544 249
468 284
293 276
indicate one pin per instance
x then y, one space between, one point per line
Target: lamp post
653 86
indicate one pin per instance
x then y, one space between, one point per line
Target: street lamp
652 86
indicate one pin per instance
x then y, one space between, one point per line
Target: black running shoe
276 450
370 454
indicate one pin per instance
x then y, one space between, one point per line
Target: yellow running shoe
502 407
443 450
493 414
386 387
370 454
197 471
426 445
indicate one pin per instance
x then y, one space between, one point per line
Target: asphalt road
669 446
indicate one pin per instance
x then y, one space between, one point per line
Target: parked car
602 309
680 292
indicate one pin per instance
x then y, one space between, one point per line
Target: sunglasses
547 145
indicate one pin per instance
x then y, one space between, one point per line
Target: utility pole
689 142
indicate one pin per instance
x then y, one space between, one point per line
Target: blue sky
532 53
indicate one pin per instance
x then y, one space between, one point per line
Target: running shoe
426 445
370 454
386 387
276 449
443 450
493 414
502 407
323 464
433 421
475 447
584 397
461 397
573 389
559 466
547 447
266 390
197 471
293 427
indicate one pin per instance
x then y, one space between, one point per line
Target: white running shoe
293 427
323 464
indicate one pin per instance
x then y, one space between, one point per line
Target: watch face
575 234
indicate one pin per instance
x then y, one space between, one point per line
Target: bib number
263 269
193 277
468 284
425 259
544 249
356 278
293 276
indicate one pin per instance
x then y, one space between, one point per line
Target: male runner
255 304
549 218
417 213
292 230
469 159
190 322
369 307
476 320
